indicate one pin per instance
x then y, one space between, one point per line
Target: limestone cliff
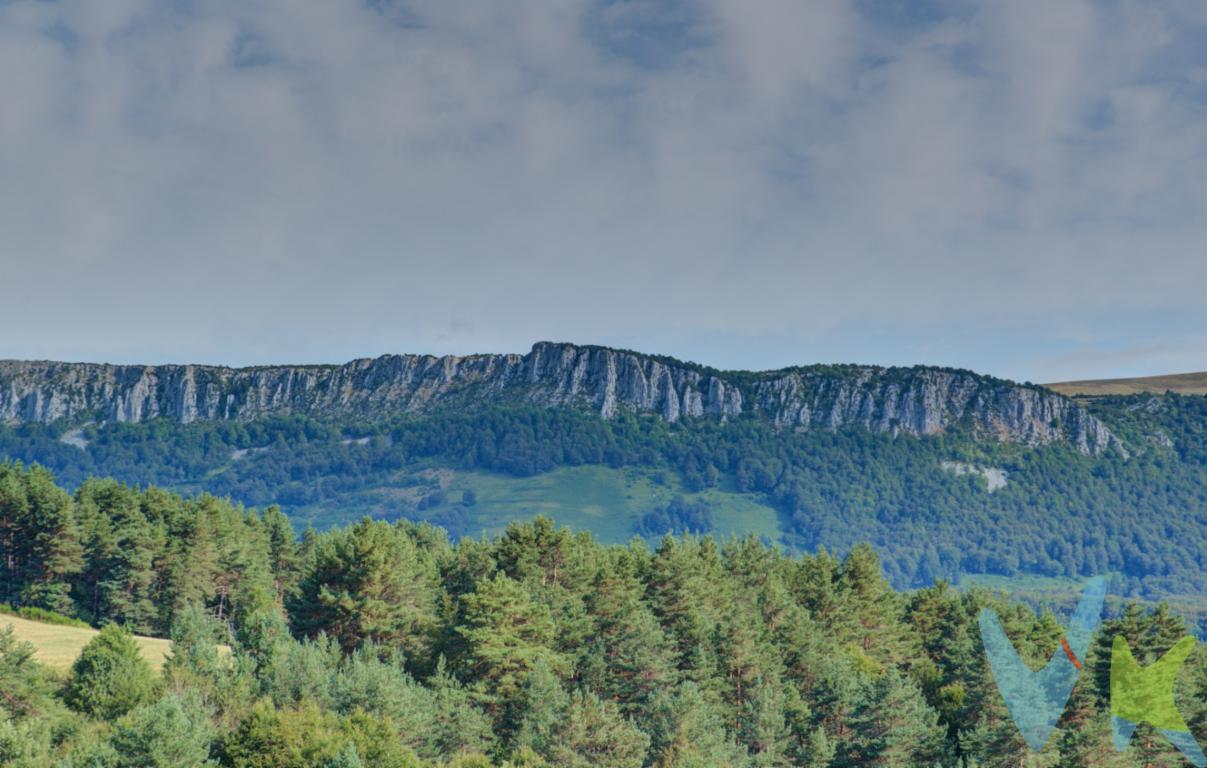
916 401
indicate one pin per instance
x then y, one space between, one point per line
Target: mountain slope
914 401
945 472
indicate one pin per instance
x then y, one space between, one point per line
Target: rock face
915 401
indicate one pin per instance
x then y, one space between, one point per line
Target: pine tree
871 610
194 664
51 541
814 583
820 750
1150 633
688 731
122 546
685 588
596 735
506 634
891 726
40 549
347 758
952 668
541 710
192 571
763 726
457 725
370 583
110 677
27 688
556 568
628 657
283 553
174 733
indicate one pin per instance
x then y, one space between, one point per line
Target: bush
110 678
679 516
308 736
33 613
174 733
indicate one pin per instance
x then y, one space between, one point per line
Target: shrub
34 613
174 733
110 678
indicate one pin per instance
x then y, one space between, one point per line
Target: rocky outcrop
916 401
927 401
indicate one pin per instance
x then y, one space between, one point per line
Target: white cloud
252 180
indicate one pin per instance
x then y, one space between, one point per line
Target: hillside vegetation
388 644
1141 513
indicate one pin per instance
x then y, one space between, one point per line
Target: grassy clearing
58 646
1182 383
604 500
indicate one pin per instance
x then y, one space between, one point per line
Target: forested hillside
387 644
926 504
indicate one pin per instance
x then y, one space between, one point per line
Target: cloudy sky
1018 187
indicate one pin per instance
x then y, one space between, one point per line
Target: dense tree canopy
392 645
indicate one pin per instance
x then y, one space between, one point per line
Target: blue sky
1014 187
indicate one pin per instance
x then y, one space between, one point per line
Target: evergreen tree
801 661
870 608
283 553
628 657
595 735
110 677
762 722
688 731
819 751
685 586
458 726
506 635
40 547
26 688
123 548
347 758
370 583
192 572
174 733
51 540
14 507
541 710
891 726
196 666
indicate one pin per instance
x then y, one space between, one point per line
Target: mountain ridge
917 401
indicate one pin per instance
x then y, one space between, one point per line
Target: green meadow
604 500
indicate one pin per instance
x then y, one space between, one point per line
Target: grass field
604 500
1182 383
58 646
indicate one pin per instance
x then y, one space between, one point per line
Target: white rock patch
995 477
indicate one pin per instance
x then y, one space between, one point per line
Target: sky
1016 187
